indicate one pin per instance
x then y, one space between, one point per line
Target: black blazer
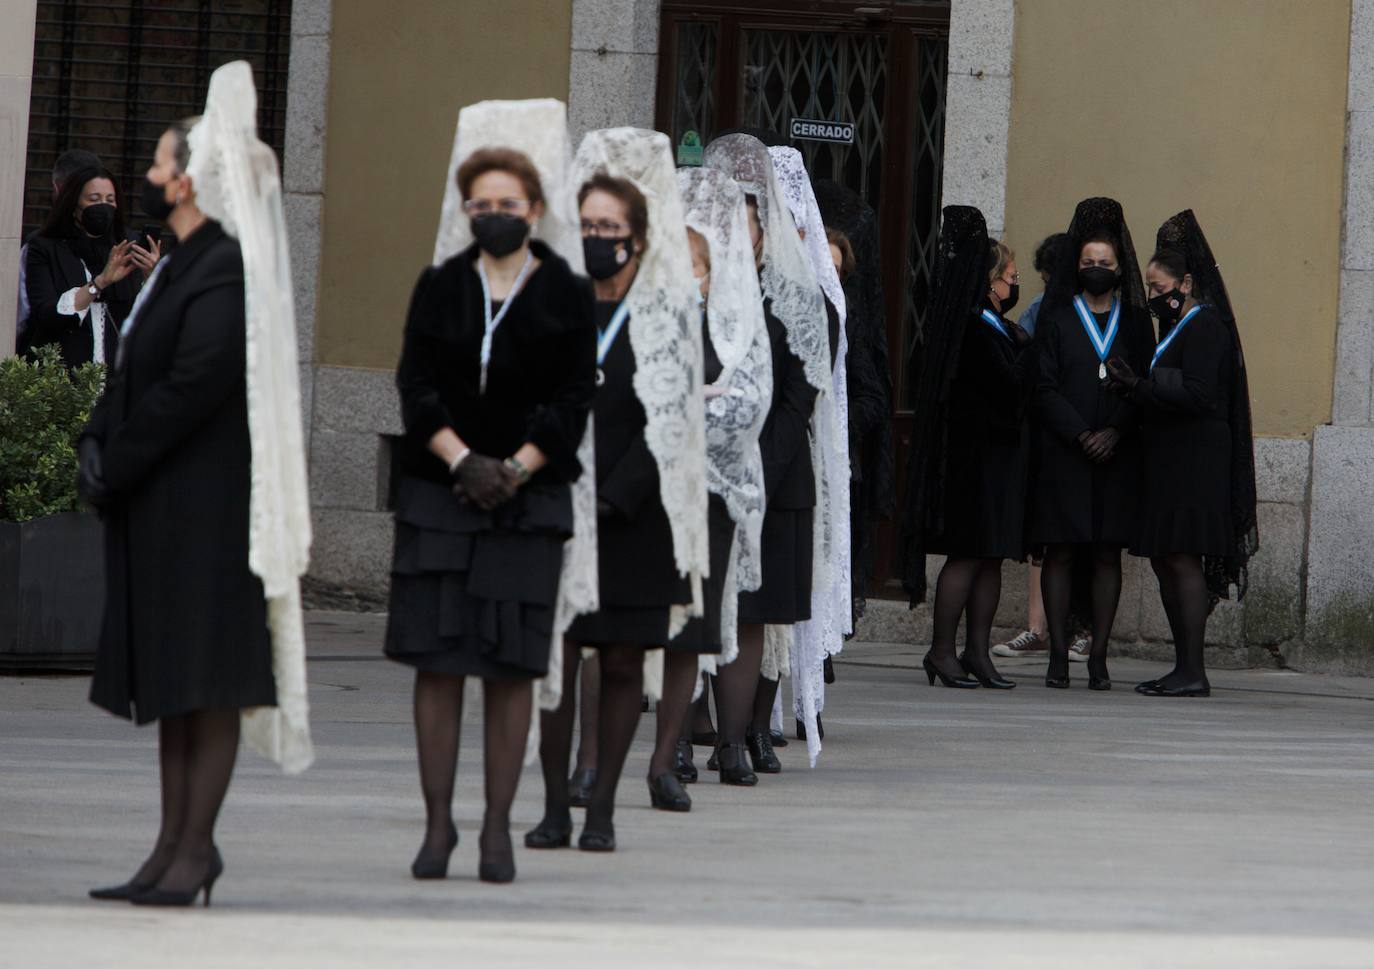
185 623
785 441
52 268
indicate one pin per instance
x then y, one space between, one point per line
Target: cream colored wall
1234 108
399 72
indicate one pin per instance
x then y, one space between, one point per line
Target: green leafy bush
43 408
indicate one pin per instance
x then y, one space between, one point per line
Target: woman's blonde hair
999 254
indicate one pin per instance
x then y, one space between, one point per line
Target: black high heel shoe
497 867
593 840
1100 683
580 787
777 739
733 768
761 753
169 899
549 834
122 893
667 794
992 681
955 682
683 767
434 864
820 729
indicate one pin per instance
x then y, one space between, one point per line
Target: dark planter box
52 592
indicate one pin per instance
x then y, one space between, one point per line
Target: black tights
196 753
622 685
737 686
1056 586
679 680
589 700
1183 590
438 716
972 586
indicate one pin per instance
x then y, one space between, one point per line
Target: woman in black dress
82 275
174 457
798 333
496 379
1197 504
1086 439
648 341
969 459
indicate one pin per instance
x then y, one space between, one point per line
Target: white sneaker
1023 645
1078 652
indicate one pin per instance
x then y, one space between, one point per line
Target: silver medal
600 376
1101 371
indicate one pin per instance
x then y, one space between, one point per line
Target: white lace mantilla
237 184
714 207
665 335
831 607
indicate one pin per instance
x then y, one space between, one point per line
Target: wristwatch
97 294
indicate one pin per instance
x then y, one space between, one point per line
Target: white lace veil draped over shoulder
734 465
238 185
665 335
831 606
539 129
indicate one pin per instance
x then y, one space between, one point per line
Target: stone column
978 108
1340 575
614 72
16 81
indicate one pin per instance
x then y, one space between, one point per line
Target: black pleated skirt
787 553
702 635
1185 496
473 593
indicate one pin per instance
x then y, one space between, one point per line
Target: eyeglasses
475 207
604 229
1015 278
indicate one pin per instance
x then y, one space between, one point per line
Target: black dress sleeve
42 282
1192 387
417 377
786 428
207 364
557 425
1052 408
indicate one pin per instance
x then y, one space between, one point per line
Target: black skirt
785 595
473 593
1185 498
703 635
986 487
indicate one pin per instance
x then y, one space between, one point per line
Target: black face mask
499 234
155 204
97 219
1098 280
1013 294
1167 306
605 257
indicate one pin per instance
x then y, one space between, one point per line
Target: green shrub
43 408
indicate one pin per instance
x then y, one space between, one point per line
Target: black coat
185 622
539 379
785 440
1074 500
987 447
51 268
1185 501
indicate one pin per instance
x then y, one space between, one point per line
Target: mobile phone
153 229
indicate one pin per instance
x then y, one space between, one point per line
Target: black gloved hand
1019 334
484 481
1120 377
90 473
1101 445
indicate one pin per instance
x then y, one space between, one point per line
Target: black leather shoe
1195 688
761 753
683 767
777 738
820 729
733 768
597 840
1057 682
1099 683
122 893
713 762
434 864
956 682
549 834
828 671
497 867
992 681
580 787
667 793
1147 686
170 899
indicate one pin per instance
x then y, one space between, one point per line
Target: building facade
1258 114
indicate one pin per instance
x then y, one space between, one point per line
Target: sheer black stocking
1056 589
212 743
589 691
981 611
700 720
953 592
555 743
1106 597
622 685
736 685
679 679
173 739
764 696
1187 588
508 705
438 718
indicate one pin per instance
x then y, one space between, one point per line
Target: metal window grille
924 237
110 76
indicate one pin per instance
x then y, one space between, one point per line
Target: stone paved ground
942 828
